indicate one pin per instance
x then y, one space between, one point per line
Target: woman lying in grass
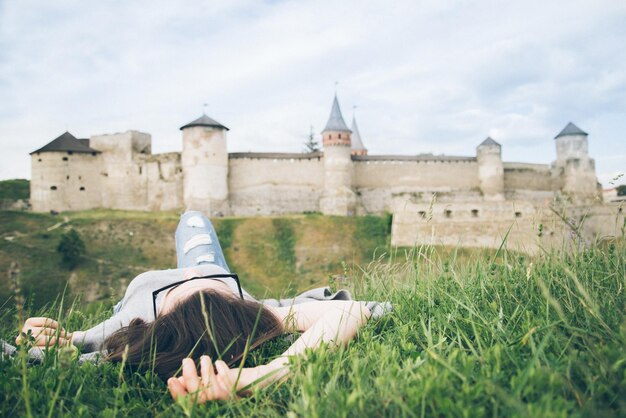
169 320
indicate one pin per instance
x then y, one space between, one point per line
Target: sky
420 76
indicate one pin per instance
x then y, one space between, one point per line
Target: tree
621 190
72 248
311 145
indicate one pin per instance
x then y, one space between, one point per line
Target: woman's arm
331 322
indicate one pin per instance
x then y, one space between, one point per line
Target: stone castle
119 171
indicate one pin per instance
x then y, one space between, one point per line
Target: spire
571 129
204 120
357 143
335 121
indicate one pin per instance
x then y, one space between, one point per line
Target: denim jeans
197 243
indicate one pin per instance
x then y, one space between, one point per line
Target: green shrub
72 248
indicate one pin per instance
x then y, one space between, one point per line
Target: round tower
490 169
338 197
205 166
575 171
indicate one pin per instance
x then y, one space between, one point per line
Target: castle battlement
119 171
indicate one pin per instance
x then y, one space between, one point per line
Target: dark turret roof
571 129
204 120
488 141
335 121
357 143
66 143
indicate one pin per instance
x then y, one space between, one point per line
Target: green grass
470 336
14 189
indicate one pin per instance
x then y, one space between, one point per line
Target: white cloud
427 76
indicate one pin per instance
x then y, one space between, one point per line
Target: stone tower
65 175
490 170
204 161
337 197
575 171
357 144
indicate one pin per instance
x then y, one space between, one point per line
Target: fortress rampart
119 171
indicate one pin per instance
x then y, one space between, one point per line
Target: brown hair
207 322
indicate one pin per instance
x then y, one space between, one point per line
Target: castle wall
522 176
122 176
531 182
378 178
477 224
164 182
268 184
527 227
65 181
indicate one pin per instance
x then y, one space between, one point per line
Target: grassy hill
469 336
271 255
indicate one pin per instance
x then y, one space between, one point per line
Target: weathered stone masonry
119 171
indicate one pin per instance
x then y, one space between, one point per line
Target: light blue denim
194 225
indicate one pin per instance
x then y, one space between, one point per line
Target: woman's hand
210 386
45 331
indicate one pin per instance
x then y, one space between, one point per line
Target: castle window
53 187
518 214
82 189
422 214
139 169
339 136
64 158
67 177
448 213
474 213
39 160
80 177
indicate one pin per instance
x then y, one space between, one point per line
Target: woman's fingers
41 326
45 341
206 370
42 335
224 377
37 331
40 321
190 374
176 388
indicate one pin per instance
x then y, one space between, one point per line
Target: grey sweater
137 303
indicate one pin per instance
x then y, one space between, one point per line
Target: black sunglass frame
212 276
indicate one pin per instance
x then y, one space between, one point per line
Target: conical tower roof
488 141
67 142
571 129
204 120
335 121
357 143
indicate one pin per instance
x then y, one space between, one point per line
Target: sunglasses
175 284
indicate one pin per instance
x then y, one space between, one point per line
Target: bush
72 248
